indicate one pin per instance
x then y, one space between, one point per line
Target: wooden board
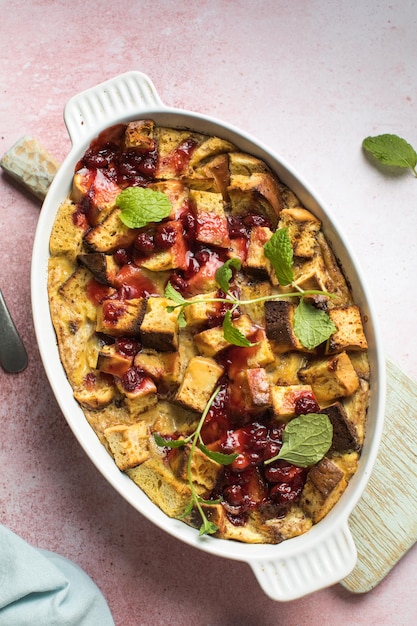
384 523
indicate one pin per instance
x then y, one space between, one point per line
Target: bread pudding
208 332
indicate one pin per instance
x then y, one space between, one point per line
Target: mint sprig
224 273
279 251
312 326
141 205
195 439
305 440
233 334
390 149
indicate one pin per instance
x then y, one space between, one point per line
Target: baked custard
208 332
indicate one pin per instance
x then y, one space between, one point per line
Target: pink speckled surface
309 78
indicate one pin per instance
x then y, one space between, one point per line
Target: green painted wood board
384 522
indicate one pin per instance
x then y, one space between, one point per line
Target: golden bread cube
331 378
128 444
159 328
95 392
284 399
204 471
110 234
160 366
139 135
325 484
255 258
259 191
119 318
302 228
101 191
175 257
350 334
67 235
111 361
200 379
212 341
198 313
170 493
211 221
210 147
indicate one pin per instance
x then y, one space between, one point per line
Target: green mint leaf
233 334
279 251
140 206
188 509
305 440
172 294
391 150
219 457
168 443
224 273
312 326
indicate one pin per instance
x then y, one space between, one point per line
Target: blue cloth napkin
41 588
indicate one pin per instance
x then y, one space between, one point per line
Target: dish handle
90 111
324 564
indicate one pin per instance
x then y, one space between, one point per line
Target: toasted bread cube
331 378
103 266
302 228
324 486
204 471
204 280
251 291
249 391
128 444
111 234
101 190
200 379
293 524
345 435
160 366
139 391
95 392
74 291
175 257
255 258
261 353
284 399
211 221
175 148
311 274
284 369
350 334
139 135
356 407
212 341
210 147
176 192
279 323
259 191
159 328
250 532
242 164
170 493
67 234
112 361
198 313
217 171
119 318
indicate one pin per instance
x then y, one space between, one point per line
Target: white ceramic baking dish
298 566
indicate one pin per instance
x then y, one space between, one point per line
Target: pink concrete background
309 78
